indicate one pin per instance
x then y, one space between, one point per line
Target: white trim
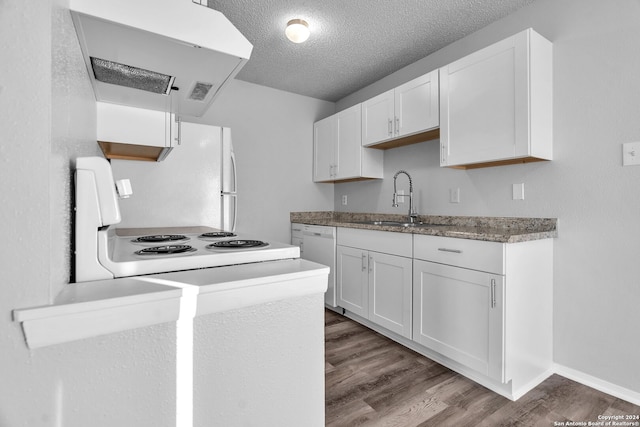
598 384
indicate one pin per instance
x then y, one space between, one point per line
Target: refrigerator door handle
235 211
235 175
234 196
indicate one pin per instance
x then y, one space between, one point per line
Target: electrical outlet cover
518 191
454 195
630 153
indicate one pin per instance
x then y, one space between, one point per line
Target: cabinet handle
364 262
370 263
493 293
455 251
178 137
390 127
442 157
397 126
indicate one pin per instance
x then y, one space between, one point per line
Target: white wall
273 140
596 109
47 119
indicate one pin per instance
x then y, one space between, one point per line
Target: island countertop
491 229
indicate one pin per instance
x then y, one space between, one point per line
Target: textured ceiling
353 43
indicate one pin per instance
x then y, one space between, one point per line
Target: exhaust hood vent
137 58
133 77
200 91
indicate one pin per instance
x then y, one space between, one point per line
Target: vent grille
200 91
128 76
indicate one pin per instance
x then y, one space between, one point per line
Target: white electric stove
103 253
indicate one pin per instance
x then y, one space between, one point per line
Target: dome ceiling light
297 30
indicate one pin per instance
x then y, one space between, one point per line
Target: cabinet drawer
378 241
473 254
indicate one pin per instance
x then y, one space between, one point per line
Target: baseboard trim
598 384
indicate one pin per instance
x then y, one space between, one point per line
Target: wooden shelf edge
340 181
121 151
518 161
408 140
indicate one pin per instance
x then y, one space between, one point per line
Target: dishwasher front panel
319 245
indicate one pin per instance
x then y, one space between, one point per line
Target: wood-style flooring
374 381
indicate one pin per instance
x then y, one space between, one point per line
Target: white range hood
166 55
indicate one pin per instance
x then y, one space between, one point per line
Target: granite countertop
491 229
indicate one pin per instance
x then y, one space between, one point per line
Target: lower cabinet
353 280
481 308
390 292
460 314
376 285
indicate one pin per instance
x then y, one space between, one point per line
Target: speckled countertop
491 229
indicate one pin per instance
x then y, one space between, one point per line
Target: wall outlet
518 191
344 199
454 195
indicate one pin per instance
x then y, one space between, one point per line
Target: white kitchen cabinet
496 104
485 308
324 141
409 109
378 118
389 289
353 280
373 284
338 154
459 313
131 133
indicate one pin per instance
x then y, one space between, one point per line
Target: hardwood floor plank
373 381
354 413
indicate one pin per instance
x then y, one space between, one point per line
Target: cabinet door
390 292
377 118
351 280
460 314
484 104
417 105
324 139
349 146
123 124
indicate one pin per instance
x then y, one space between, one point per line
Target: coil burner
237 244
160 238
217 235
166 250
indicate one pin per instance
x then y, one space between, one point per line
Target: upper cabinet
404 115
338 154
130 133
496 104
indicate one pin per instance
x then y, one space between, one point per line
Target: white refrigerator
195 185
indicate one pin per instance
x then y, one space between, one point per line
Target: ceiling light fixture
297 30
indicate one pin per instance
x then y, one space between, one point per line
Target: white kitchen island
256 352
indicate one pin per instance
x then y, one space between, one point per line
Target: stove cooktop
124 256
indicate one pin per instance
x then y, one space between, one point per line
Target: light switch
518 191
630 153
